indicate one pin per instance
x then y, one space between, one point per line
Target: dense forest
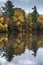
17 20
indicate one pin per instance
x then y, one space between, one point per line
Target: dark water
21 49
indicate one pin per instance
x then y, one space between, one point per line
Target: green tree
8 10
34 14
34 18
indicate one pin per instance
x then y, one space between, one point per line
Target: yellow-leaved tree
19 17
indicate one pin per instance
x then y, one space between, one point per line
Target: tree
19 15
29 19
20 18
34 17
8 10
34 14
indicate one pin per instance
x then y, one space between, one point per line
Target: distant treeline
16 19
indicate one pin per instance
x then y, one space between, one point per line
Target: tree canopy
19 15
34 14
8 10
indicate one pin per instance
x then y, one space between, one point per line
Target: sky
26 5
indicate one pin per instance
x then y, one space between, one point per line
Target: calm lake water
21 49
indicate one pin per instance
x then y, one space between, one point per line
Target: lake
21 49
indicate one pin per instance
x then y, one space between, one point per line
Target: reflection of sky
25 59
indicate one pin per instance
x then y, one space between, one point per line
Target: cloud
24 0
2 0
28 0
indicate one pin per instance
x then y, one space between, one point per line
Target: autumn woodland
14 19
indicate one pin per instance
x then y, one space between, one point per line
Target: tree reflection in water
13 45
34 44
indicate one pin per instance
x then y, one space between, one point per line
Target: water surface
21 49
